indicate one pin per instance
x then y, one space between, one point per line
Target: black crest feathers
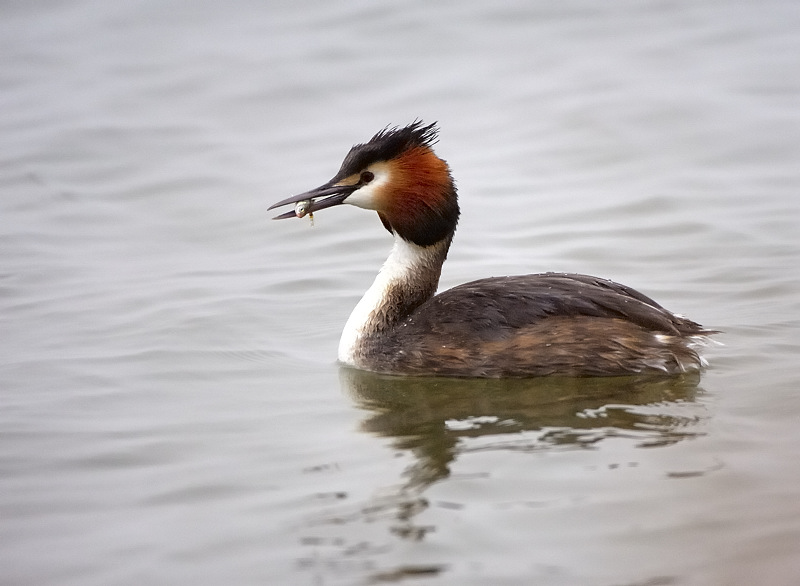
388 144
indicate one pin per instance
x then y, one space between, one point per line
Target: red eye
367 176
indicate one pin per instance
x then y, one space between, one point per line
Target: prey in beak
333 195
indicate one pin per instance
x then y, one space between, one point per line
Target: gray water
171 410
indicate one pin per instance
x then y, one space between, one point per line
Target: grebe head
398 175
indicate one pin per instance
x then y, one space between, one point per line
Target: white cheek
368 197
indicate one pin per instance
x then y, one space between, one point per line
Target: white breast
400 266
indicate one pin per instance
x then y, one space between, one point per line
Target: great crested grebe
528 325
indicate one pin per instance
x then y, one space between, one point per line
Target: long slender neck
408 278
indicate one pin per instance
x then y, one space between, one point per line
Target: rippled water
171 407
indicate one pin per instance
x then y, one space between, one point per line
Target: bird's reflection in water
435 417
436 420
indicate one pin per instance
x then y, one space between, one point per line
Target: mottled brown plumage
535 325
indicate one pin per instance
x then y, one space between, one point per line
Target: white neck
409 277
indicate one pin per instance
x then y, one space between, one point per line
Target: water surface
171 407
